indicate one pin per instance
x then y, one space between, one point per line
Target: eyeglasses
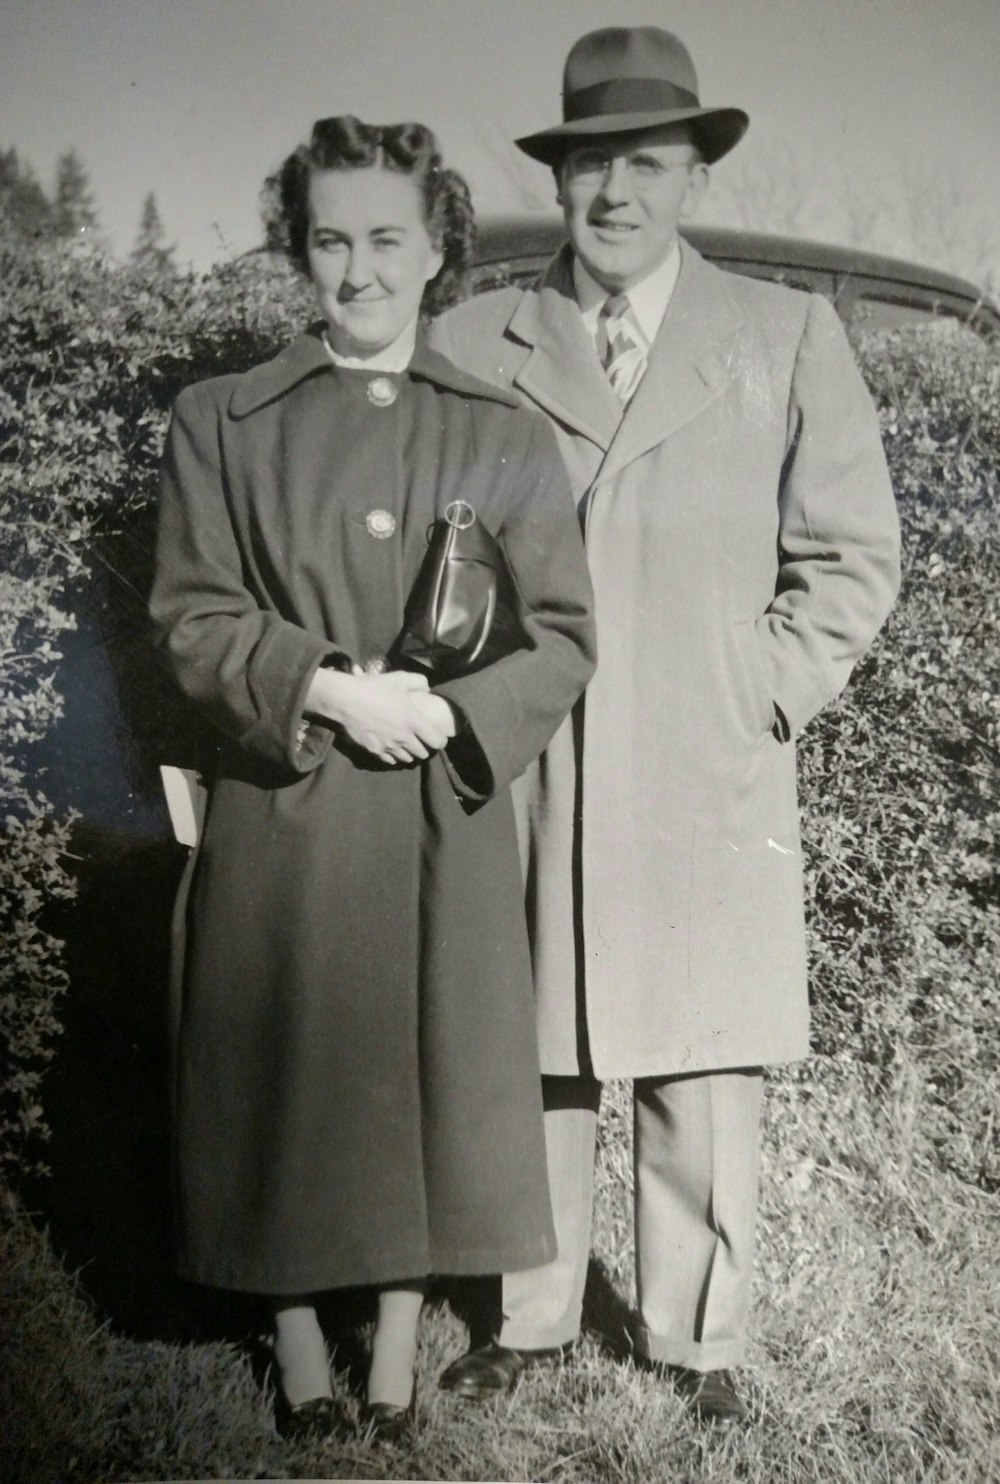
590 165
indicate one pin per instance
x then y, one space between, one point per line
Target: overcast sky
199 99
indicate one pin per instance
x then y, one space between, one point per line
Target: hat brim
716 129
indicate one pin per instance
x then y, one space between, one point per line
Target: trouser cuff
519 1338
714 1355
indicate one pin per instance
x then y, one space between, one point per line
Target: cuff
280 674
466 764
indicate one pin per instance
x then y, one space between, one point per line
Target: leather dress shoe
491 1369
311 1419
385 1422
710 1396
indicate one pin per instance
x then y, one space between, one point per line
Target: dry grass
875 1353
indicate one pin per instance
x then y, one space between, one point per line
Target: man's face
623 196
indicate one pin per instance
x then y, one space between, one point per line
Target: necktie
621 346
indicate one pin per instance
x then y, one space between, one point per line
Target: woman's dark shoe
385 1422
311 1419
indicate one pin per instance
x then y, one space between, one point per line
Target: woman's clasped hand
394 716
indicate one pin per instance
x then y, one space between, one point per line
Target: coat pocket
756 703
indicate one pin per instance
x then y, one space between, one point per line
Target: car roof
866 287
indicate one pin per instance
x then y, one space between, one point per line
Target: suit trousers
696 1157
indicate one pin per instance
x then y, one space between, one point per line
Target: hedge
898 781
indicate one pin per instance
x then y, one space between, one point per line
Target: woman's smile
370 255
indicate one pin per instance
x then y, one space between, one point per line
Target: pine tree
149 251
26 213
75 211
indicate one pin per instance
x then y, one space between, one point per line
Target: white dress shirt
648 299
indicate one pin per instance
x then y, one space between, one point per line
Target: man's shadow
106 1202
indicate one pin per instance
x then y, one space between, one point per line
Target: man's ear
695 194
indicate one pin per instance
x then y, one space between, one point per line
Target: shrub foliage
898 781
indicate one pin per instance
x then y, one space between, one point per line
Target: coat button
382 391
377 665
380 524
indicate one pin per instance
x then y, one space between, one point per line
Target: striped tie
621 346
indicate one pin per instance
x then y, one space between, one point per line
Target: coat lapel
305 356
562 374
691 362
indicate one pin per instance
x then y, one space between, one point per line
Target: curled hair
345 143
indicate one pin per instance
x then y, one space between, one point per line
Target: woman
357 1093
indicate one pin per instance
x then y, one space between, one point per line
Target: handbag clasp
460 514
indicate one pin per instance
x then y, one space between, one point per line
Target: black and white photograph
499 741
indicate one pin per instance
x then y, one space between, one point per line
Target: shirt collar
648 299
394 357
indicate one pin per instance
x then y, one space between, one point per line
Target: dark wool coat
744 547
357 1090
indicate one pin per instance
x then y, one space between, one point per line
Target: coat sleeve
245 667
511 709
838 538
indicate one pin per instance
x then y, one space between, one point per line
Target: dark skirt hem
444 1262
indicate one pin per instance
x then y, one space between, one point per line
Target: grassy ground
875 1343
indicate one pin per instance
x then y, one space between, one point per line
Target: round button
380 524
377 665
382 391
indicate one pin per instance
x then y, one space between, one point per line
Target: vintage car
868 290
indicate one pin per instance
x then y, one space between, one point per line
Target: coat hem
630 1069
457 1262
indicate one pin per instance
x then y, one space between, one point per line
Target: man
743 542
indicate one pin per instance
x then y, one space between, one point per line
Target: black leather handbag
463 612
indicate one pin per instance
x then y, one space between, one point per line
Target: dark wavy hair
345 143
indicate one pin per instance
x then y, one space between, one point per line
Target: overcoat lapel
562 375
691 362
307 356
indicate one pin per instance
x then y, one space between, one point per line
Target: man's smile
613 228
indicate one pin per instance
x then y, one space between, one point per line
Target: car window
881 314
522 271
812 280
516 255
518 271
880 308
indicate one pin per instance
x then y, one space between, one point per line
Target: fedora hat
633 77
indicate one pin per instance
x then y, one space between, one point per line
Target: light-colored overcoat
744 547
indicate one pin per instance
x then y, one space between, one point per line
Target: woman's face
370 255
